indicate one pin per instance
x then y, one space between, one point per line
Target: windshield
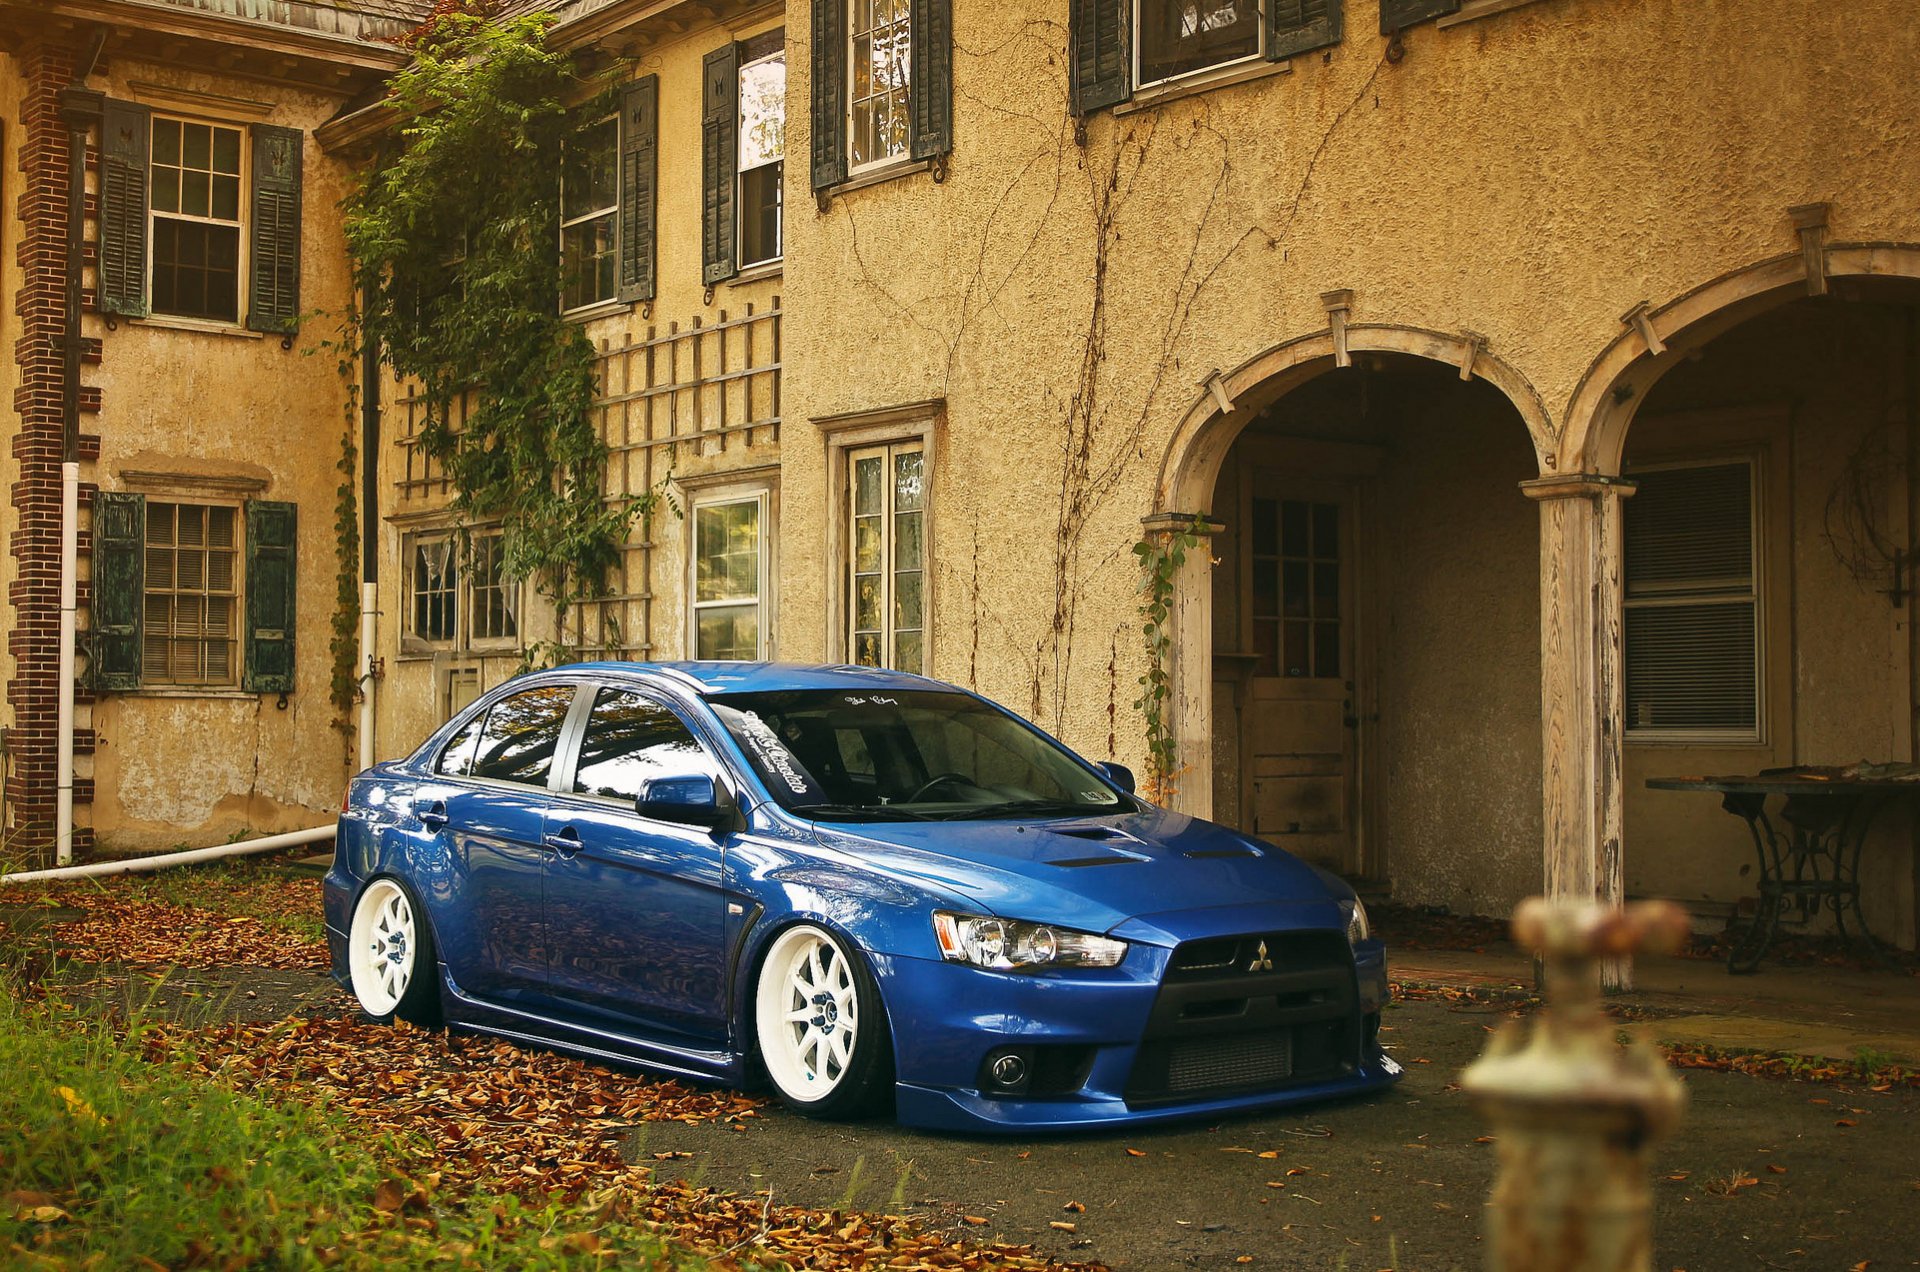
906 755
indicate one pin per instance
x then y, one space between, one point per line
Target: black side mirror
1119 774
692 800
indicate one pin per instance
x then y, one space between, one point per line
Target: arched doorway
1759 587
1366 617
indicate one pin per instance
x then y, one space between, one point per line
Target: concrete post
1574 1112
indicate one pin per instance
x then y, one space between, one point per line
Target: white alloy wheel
383 947
808 1014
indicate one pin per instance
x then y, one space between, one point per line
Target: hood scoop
1110 853
1234 850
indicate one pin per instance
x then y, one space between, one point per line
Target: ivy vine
453 237
1162 553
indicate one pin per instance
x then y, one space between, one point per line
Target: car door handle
565 841
431 812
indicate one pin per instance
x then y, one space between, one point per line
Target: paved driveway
1394 1181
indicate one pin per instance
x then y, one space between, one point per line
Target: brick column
33 637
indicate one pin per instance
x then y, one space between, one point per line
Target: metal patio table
1809 850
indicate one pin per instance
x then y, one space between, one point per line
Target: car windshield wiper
859 810
1001 809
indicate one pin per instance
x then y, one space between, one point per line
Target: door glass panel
521 732
631 738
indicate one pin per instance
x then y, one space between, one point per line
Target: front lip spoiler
937 1108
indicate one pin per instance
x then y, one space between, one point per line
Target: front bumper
1130 1045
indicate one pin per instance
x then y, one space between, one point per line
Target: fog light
1007 1069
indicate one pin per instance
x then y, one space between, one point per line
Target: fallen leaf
1074 1207
1845 1121
77 1106
1061 1225
1136 1152
1270 1154
976 1220
1775 1170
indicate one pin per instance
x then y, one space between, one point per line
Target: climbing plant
1162 553
453 237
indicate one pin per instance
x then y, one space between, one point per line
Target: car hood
1095 873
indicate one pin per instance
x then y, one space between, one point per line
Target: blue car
857 884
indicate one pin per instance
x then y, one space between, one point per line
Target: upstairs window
1179 37
887 569
879 43
763 147
199 220
589 216
1693 651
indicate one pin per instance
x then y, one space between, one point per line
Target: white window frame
1756 594
1215 68
609 210
905 153
921 422
460 545
779 186
244 205
725 497
236 637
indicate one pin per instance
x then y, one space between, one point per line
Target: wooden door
1301 727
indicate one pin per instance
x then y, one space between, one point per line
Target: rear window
520 736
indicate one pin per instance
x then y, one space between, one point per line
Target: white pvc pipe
369 632
69 603
142 865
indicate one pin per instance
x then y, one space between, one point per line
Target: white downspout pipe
369 632
69 603
142 865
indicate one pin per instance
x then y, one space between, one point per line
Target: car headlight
1006 945
1358 929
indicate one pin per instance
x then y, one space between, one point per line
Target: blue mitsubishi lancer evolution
856 885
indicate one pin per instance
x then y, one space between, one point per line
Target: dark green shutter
1398 15
719 162
829 74
119 580
639 185
273 303
1102 71
1300 26
125 131
930 92
270 589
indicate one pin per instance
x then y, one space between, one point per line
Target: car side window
521 734
630 738
457 759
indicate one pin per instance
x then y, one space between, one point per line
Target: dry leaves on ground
484 1112
154 932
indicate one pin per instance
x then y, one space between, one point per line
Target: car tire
390 956
820 1025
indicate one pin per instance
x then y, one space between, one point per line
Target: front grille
1246 1060
1248 1014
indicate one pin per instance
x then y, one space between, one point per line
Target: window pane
435 574
518 741
226 198
226 151
866 485
196 146
727 564
587 182
760 201
907 542
728 632
166 141
907 469
196 269
587 261
907 652
1178 37
866 544
763 112
166 189
1692 667
630 739
906 600
457 758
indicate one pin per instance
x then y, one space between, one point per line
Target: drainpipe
369 545
81 109
193 856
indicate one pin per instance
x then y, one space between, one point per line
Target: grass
110 1160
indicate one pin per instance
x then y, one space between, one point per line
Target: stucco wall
1529 177
409 696
195 766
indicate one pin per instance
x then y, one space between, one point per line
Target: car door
489 802
636 917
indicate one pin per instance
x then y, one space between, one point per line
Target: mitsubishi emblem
1261 963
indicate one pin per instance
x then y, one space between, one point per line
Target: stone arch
1190 469
1191 464
1609 394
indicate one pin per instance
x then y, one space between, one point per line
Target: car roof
708 678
